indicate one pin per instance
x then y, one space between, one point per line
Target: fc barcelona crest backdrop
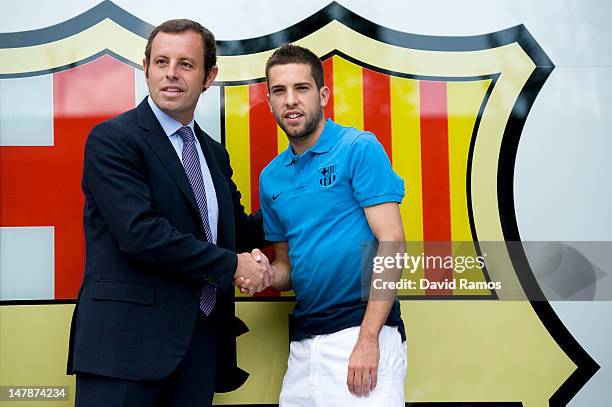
450 112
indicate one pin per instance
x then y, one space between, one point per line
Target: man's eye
186 64
160 62
277 91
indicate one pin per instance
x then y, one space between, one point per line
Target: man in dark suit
154 323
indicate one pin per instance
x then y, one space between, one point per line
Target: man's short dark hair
183 25
294 54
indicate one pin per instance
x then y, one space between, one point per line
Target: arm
281 267
115 184
386 224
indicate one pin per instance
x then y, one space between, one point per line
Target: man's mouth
171 90
292 116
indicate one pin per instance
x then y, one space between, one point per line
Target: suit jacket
147 255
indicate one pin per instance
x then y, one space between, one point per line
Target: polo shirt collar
326 141
168 123
288 156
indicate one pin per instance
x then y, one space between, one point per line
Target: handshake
254 273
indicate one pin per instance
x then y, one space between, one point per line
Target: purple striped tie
191 163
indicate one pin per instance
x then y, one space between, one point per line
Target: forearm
282 276
386 223
164 249
281 267
375 317
381 300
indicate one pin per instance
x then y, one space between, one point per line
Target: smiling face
175 73
296 102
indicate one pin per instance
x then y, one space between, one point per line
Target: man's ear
268 100
145 67
212 74
324 95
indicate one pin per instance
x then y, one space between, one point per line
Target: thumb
257 254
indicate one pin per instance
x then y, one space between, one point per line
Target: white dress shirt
170 127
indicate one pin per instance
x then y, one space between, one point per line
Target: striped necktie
191 163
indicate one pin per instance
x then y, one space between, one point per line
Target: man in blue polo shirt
325 196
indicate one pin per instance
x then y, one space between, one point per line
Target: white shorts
318 367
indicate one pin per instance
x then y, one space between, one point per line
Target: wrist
272 275
368 334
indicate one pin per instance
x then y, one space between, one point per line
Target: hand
363 366
253 279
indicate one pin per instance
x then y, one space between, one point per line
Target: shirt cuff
381 199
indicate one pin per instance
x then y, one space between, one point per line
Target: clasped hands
254 273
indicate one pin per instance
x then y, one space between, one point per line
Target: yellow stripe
348 93
237 142
64 52
464 101
406 151
111 36
283 143
406 156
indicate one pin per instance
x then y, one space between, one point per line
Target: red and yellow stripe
424 126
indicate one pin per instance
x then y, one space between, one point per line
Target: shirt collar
168 123
326 141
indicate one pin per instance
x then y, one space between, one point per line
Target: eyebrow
295 84
192 60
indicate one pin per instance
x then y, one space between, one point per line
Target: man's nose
291 98
172 70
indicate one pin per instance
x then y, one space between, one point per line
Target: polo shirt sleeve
372 177
273 228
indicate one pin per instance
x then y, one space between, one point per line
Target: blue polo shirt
315 202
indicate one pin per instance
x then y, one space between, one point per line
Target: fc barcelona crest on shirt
327 175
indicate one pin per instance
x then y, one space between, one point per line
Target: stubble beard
309 128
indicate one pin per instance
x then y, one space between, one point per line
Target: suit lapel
161 145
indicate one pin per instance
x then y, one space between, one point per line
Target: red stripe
263 138
82 98
435 176
377 107
264 147
328 68
41 186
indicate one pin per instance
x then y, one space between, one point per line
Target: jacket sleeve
114 178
